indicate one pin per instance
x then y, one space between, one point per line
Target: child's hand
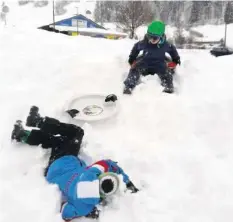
131 187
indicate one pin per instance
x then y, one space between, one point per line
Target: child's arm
134 53
111 166
173 53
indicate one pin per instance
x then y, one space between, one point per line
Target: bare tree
60 7
41 3
132 14
23 2
171 12
195 12
105 11
98 12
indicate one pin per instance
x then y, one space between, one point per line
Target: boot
167 83
34 119
168 88
127 91
19 133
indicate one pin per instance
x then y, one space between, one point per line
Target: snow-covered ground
176 148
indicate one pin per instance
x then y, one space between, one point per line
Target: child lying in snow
83 187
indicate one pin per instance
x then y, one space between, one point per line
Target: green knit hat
156 28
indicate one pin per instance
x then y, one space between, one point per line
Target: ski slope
176 148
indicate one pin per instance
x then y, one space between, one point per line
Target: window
81 23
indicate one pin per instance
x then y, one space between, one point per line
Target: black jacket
153 54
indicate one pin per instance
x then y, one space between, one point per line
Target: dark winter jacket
153 54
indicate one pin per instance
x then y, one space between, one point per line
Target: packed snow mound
176 148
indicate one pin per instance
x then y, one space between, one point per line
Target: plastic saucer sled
95 107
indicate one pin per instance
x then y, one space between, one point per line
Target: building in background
81 25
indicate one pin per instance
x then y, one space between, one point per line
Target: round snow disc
93 107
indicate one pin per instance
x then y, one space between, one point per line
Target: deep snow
176 148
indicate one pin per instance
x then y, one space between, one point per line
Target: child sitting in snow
154 46
83 187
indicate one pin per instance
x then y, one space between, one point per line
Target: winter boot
72 112
34 119
127 91
168 85
19 133
169 88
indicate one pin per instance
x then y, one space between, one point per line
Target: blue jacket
153 54
79 184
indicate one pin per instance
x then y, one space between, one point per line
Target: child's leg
134 75
166 79
61 146
65 148
38 137
53 126
164 74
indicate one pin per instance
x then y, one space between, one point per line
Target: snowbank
176 148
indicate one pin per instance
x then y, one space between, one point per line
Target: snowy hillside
176 148
209 32
216 32
28 16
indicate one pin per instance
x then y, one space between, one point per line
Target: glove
72 112
131 60
130 186
177 61
94 214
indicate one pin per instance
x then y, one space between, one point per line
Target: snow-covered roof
89 30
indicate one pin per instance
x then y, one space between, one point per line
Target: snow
28 16
110 26
216 33
176 148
